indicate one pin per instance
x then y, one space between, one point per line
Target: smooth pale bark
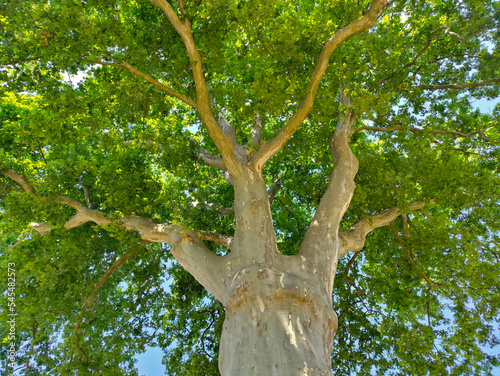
279 321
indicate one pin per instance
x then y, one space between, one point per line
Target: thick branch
321 240
354 240
221 140
339 191
21 180
256 131
215 237
280 140
187 245
211 160
229 131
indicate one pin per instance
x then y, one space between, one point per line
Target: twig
92 296
204 332
431 283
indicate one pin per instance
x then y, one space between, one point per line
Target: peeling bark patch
186 239
262 274
242 288
255 206
261 304
291 333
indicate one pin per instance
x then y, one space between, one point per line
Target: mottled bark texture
279 316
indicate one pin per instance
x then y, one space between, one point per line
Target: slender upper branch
208 158
427 45
493 81
354 240
399 126
280 140
19 61
97 286
483 26
146 77
221 140
159 85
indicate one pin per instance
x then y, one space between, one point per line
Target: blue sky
149 363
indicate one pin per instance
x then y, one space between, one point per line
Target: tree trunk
277 323
279 316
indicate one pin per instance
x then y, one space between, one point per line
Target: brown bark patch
262 274
186 239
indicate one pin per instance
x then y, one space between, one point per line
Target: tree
230 135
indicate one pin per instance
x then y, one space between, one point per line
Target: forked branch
354 240
280 140
339 191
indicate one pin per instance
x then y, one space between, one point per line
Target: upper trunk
279 316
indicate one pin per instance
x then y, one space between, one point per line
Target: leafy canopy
79 119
